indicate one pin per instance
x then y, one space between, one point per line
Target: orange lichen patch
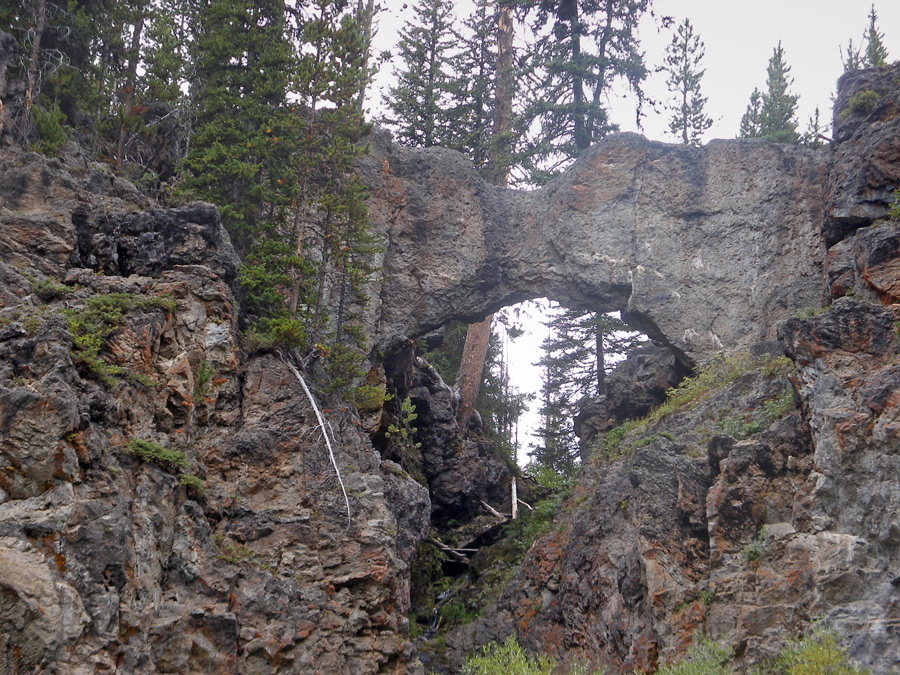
305 629
49 543
75 439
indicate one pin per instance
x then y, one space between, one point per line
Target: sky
739 39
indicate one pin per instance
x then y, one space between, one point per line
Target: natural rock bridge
705 248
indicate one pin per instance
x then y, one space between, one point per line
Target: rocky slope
770 501
167 503
109 561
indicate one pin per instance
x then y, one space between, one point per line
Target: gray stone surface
705 248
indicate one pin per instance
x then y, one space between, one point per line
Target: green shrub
100 317
742 426
817 653
154 453
705 657
48 289
49 124
755 549
192 482
370 397
895 206
862 102
509 659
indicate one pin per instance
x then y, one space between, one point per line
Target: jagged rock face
637 384
866 148
705 248
649 547
661 542
110 563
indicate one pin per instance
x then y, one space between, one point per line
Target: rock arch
705 248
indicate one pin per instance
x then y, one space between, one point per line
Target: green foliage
507 658
862 103
370 397
415 630
510 659
755 549
720 372
404 433
606 446
780 365
876 54
50 127
770 114
810 312
48 289
687 120
814 135
706 597
705 657
531 525
579 351
742 425
154 453
894 213
402 443
546 477
817 653
192 482
101 316
576 58
690 391
419 102
205 374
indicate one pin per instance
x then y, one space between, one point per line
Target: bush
705 657
508 658
370 397
154 453
101 316
817 653
863 102
191 482
49 126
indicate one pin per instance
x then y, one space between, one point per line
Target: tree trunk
133 57
365 12
468 379
601 357
40 18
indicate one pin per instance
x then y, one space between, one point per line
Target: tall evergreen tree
815 131
770 115
419 102
472 84
688 120
580 349
751 122
876 54
852 59
583 48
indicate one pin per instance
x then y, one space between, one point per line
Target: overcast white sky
739 39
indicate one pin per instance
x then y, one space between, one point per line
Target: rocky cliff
167 502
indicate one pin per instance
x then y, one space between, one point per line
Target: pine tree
683 56
815 132
852 59
472 85
771 114
876 54
419 102
751 122
582 49
580 349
